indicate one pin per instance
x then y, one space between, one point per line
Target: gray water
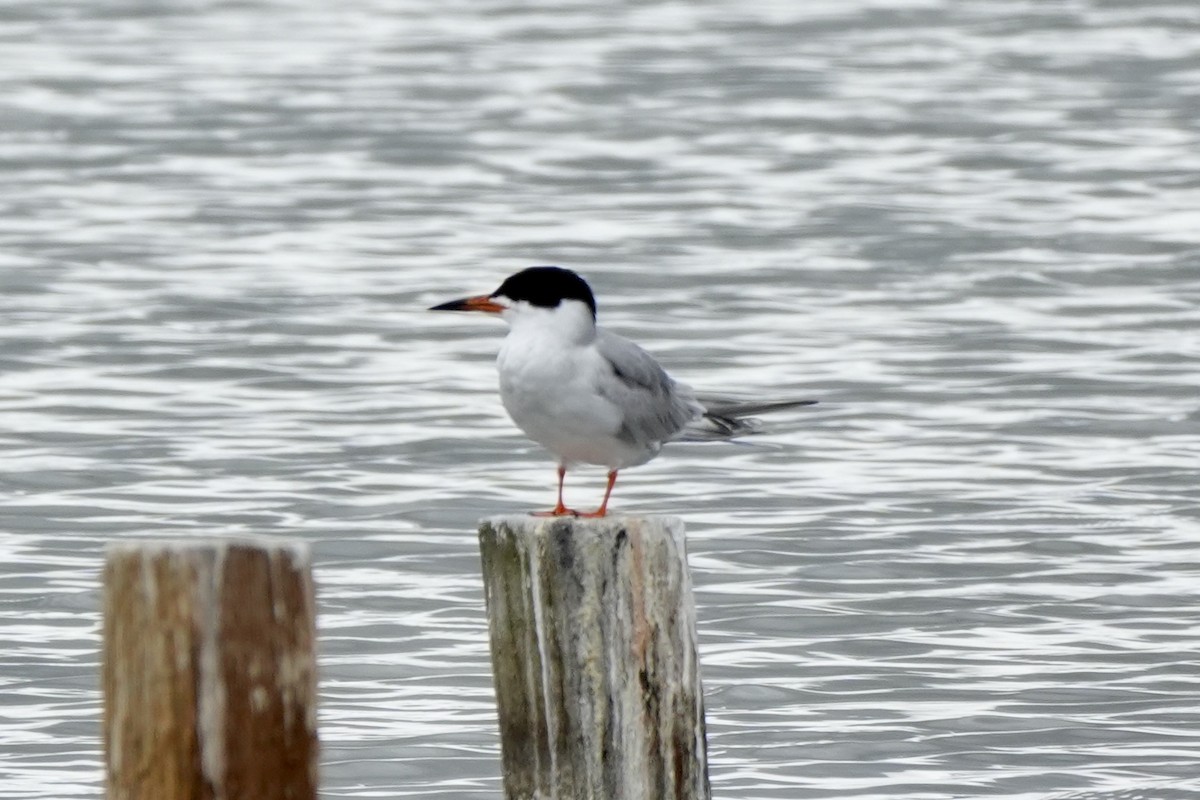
970 229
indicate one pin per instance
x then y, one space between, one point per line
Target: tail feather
726 418
726 407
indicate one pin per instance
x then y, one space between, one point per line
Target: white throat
570 322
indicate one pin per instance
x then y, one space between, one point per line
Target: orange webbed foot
557 511
599 512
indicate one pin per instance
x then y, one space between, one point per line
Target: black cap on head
547 287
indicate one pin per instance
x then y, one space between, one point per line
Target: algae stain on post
593 639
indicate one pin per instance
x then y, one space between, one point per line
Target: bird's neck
568 323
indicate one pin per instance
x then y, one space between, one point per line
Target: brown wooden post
209 671
593 636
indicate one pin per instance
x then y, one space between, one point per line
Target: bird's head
544 296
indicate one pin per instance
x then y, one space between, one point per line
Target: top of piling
297 552
609 521
594 530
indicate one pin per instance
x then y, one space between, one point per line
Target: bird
587 395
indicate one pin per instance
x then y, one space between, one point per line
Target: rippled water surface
971 229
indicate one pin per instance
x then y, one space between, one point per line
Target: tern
588 395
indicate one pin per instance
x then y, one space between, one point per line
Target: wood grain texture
209 672
593 639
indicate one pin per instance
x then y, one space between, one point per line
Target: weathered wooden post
209 671
593 636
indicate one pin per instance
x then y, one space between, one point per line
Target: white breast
549 388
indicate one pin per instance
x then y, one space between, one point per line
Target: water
970 229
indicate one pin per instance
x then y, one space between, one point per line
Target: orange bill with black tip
481 302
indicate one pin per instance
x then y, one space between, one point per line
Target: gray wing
654 407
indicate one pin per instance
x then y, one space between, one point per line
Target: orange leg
603 509
560 510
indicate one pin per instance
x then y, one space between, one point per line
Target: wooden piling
593 637
209 672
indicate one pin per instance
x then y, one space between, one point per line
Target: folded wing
655 409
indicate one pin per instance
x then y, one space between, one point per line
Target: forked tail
724 418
